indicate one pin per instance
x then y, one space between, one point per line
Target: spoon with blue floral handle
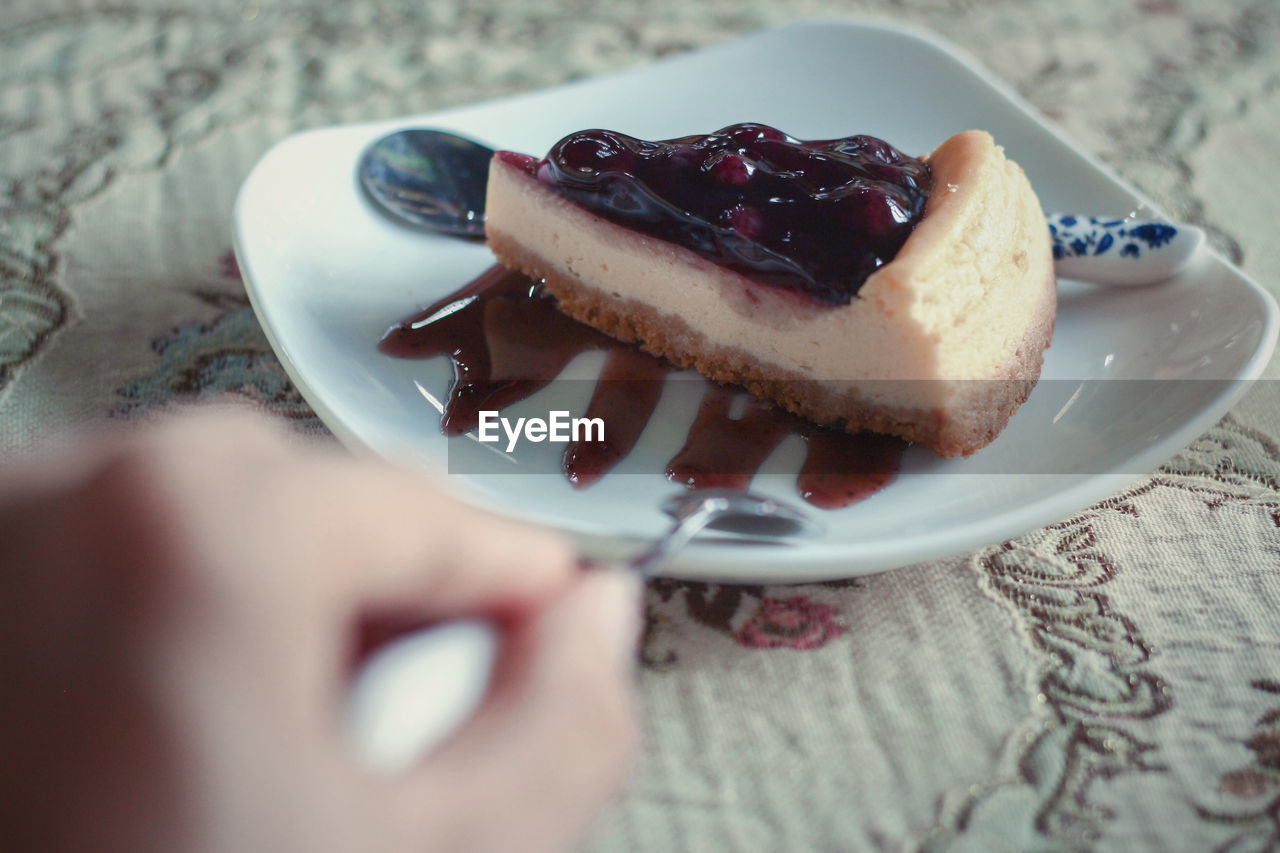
434 180
417 690
1121 251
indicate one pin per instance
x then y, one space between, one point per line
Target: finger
123 495
64 461
314 521
552 741
406 545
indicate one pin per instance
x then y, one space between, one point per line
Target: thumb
552 740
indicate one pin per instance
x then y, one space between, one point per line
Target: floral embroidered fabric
1111 682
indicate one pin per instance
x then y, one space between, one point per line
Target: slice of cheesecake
841 279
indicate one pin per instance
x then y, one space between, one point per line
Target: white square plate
328 275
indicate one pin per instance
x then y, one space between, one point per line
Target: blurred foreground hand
179 615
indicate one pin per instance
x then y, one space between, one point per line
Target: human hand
179 611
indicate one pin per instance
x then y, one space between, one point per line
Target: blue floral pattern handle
1121 250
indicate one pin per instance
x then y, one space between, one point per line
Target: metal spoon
435 180
728 510
419 689
430 179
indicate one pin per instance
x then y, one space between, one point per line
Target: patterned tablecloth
1110 682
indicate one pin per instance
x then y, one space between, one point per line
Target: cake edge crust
980 411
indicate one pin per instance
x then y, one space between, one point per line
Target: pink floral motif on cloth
743 613
795 623
229 266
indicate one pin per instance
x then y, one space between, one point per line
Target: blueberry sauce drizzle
817 217
628 391
724 453
505 337
507 340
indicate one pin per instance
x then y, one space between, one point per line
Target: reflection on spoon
435 181
428 179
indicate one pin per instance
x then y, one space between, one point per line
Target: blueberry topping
817 217
747 222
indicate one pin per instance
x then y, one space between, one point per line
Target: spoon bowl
742 513
429 179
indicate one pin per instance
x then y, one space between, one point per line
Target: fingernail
619 603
